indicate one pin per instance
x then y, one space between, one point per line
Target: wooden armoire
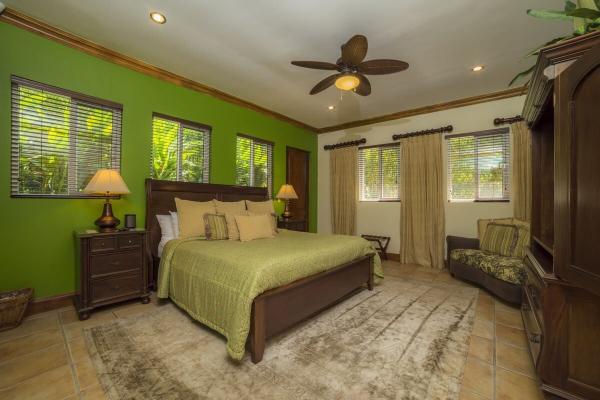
561 298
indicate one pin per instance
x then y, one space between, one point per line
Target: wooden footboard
281 308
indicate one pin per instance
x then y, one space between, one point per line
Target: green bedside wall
36 234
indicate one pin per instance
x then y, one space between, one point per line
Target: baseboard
393 256
49 303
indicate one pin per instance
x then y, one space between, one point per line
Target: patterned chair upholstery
501 275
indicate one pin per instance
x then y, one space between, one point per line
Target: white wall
384 218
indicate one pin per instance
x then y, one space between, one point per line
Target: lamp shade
287 192
106 181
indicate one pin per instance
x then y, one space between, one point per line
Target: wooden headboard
160 199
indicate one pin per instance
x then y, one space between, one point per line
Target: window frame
361 173
77 99
506 157
207 129
270 172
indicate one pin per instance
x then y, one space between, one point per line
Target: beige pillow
191 217
272 217
253 227
231 209
260 207
483 223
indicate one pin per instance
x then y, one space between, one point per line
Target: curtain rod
345 144
511 120
423 132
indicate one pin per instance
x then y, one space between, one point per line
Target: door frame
307 201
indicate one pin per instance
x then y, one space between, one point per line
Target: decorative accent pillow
166 229
175 222
273 218
191 217
230 209
483 223
253 227
216 227
260 207
499 239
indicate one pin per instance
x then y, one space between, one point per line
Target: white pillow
166 230
175 221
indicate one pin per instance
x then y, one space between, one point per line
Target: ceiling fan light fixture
158 17
347 82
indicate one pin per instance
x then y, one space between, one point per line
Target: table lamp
107 182
286 193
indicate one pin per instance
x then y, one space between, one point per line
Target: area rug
404 340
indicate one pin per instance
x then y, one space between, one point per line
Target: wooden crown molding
467 101
41 28
48 31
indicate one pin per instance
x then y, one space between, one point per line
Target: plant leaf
549 14
521 74
597 4
570 6
587 13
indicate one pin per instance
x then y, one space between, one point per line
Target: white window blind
60 139
478 166
379 173
254 162
180 150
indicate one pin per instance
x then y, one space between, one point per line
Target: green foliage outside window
253 163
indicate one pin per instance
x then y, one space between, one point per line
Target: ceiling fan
352 69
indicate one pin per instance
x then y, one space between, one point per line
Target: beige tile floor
46 357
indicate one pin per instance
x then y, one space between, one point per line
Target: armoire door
297 175
577 173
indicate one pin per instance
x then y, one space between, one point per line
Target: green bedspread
216 281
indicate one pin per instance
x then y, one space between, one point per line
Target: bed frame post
371 280
258 329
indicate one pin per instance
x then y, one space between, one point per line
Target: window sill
478 201
60 196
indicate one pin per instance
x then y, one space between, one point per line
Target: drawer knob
101 244
534 338
130 241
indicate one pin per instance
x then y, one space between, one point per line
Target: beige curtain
422 220
521 171
342 170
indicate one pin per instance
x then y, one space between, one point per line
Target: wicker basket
12 307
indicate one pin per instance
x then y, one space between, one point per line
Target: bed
254 290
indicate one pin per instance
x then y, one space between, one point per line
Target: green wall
37 234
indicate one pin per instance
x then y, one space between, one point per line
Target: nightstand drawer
106 290
115 263
130 241
105 243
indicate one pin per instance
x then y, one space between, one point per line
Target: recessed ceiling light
158 17
330 107
478 68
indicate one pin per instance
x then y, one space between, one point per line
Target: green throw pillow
216 227
500 239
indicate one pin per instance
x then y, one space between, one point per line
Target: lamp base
107 221
287 214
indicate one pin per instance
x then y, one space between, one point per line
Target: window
60 139
180 150
478 166
379 172
254 162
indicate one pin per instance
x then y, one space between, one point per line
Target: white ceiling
244 47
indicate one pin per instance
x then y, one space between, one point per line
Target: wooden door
297 175
577 173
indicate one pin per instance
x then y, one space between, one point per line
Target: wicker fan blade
381 67
364 87
324 84
355 50
315 65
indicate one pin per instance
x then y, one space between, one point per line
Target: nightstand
112 268
293 224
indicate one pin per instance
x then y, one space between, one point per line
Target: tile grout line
494 359
70 358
